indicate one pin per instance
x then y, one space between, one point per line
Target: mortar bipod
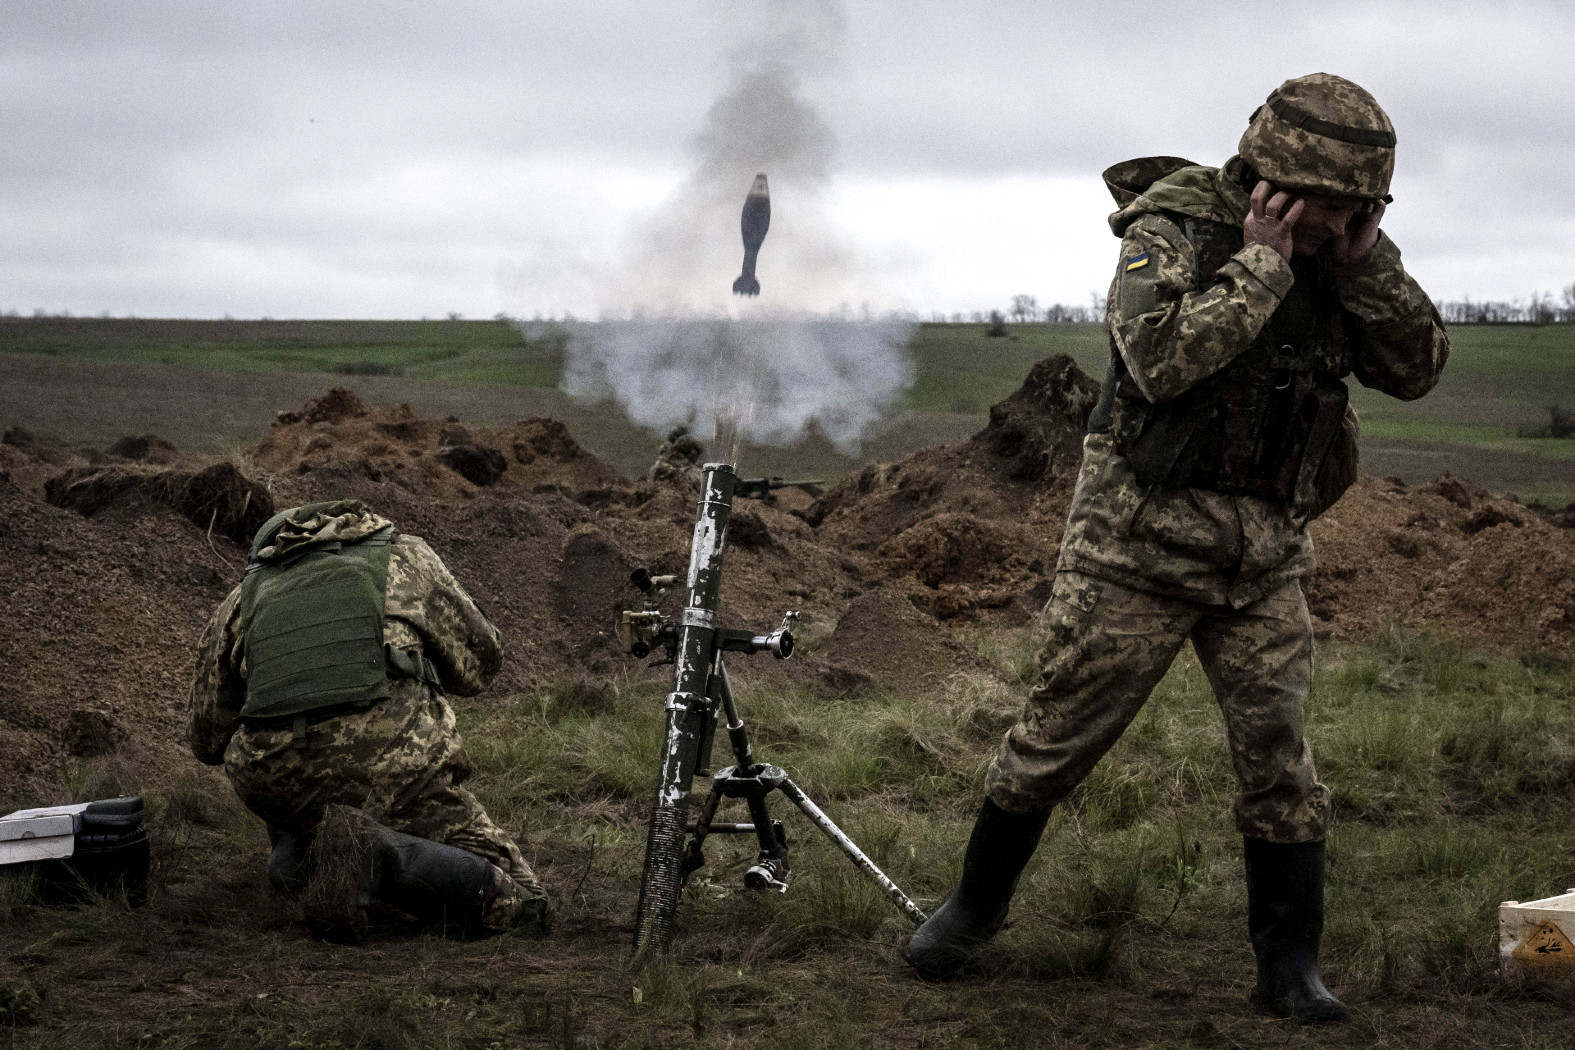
753 782
694 643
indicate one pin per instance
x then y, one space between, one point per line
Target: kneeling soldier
319 687
1244 297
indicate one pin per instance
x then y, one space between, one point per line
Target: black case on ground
110 857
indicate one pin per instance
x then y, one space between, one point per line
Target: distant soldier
319 686
1244 296
678 458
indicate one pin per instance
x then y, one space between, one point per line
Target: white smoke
674 345
766 377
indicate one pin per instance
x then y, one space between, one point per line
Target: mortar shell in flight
754 223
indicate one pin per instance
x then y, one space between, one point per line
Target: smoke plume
674 345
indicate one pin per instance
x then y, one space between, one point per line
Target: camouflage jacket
426 609
1193 543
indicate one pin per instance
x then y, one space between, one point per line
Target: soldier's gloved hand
1272 219
1359 236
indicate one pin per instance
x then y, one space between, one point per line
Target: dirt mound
1020 466
1449 552
437 459
884 638
956 563
545 455
96 634
1037 432
336 406
974 528
30 464
219 498
149 448
589 592
477 464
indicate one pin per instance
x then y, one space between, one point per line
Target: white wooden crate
1536 940
39 834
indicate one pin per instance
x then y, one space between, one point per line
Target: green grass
1452 770
960 369
1392 426
483 352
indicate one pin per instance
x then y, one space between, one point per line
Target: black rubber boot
288 869
1285 919
998 850
444 887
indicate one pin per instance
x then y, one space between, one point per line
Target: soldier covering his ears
319 687
1244 297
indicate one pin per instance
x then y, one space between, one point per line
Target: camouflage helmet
1322 134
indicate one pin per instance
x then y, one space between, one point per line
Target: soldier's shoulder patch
1137 262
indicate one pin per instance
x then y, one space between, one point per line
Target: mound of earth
29 464
974 529
435 458
1450 553
217 498
1020 466
149 448
962 563
974 526
96 632
882 637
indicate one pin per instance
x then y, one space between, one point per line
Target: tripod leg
737 733
847 845
694 857
770 870
771 867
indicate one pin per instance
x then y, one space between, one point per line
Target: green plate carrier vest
1272 423
313 631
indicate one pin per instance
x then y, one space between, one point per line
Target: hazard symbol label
1547 949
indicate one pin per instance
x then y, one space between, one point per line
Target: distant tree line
1540 308
1026 309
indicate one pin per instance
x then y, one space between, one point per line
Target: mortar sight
779 643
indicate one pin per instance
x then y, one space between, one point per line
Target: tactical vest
1272 423
313 631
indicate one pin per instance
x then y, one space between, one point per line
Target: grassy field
1501 380
1451 770
489 352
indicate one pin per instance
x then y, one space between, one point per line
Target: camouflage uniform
1144 568
400 761
1222 428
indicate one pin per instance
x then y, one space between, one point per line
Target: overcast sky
401 159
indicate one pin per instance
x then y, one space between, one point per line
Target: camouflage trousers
1106 648
401 762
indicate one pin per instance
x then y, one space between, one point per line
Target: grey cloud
289 132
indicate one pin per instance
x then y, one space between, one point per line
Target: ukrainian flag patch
1137 262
